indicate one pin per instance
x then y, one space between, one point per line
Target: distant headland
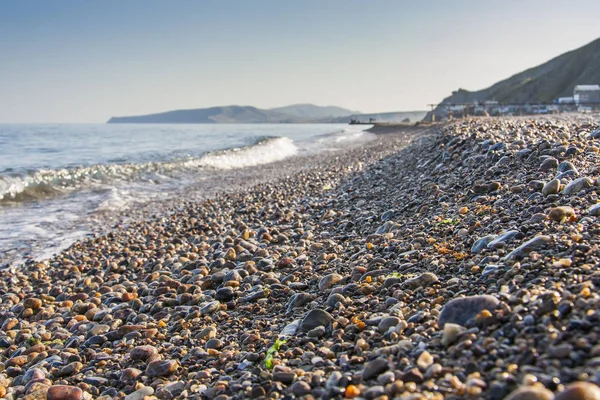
297 113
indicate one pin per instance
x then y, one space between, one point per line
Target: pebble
459 311
451 333
161 368
595 210
315 318
549 164
530 393
563 350
482 243
502 239
207 333
328 281
538 242
334 299
143 353
578 185
424 360
561 214
386 323
300 388
64 392
423 280
32 303
374 368
579 391
140 394
551 187
285 377
171 390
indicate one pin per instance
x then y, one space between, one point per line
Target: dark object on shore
460 311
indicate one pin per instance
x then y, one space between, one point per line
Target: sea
62 182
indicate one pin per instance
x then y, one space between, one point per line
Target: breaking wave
15 187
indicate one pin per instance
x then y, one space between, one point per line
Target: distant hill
544 83
396 116
240 114
312 112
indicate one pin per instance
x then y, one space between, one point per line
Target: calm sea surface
55 178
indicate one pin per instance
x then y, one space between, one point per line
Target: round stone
579 391
315 318
461 310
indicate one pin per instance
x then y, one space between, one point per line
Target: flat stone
461 310
413 375
207 333
549 164
374 368
502 239
561 213
285 377
225 293
140 394
142 352
562 350
161 368
300 388
299 300
424 360
171 390
530 393
451 333
334 299
64 392
315 318
214 343
319 331
551 187
70 369
482 243
578 185
386 323
579 391
329 281
129 374
538 242
32 303
595 210
210 307
423 280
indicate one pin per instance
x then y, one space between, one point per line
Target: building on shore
566 100
585 94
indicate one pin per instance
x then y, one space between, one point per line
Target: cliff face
544 83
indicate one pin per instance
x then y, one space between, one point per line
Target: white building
586 94
566 100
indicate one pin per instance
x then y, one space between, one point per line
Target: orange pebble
352 391
127 296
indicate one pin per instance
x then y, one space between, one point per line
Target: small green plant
449 221
32 341
271 352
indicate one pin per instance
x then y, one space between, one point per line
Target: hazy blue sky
84 61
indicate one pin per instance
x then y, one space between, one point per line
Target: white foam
265 152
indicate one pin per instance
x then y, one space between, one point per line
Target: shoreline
389 270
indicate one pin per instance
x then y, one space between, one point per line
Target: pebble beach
447 261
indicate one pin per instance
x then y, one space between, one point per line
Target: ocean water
59 181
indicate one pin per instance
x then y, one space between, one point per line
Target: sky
84 61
